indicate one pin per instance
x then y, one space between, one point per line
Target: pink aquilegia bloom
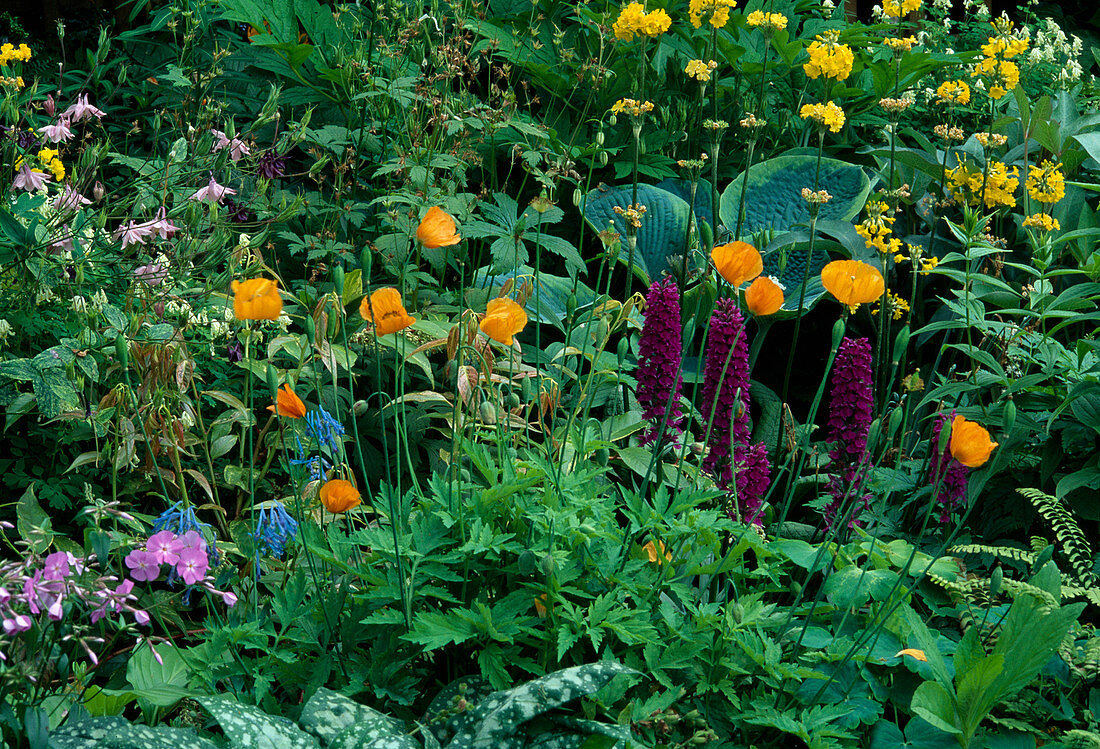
70 200
850 405
29 179
659 350
164 546
64 243
192 565
152 275
81 110
132 233
143 565
212 193
236 146
160 225
58 132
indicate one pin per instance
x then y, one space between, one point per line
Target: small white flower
80 305
99 300
6 330
775 280
44 294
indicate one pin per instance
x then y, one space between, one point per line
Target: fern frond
1001 552
1066 530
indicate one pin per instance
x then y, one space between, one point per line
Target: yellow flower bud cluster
700 70
899 8
9 53
766 22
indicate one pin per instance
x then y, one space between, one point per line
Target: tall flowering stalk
850 405
946 475
659 378
725 410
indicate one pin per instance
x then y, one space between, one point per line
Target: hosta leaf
681 188
796 248
664 225
773 197
327 713
500 715
248 726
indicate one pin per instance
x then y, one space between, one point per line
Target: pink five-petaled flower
58 132
143 565
56 566
70 200
81 109
236 146
151 275
212 193
132 233
164 546
192 540
29 179
192 565
17 624
160 225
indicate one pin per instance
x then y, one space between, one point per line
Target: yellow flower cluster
899 8
634 20
966 184
17 81
1042 221
631 107
991 140
916 253
1046 183
47 157
767 22
716 12
894 303
700 70
829 58
10 53
876 228
900 44
826 115
1006 43
953 92
1002 75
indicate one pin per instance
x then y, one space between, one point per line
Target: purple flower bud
947 476
850 405
659 378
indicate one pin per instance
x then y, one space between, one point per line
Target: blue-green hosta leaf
795 247
773 197
500 715
248 726
704 201
547 302
664 225
327 713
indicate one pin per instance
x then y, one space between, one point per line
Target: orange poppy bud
288 404
853 283
257 299
737 262
654 557
970 443
437 229
763 297
385 310
540 606
503 319
913 653
338 495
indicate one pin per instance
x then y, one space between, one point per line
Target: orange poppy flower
437 229
970 443
385 310
655 557
338 495
852 282
257 299
763 297
503 319
737 262
914 653
288 404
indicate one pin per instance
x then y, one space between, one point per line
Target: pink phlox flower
143 565
81 110
17 624
192 540
229 598
141 617
151 275
29 179
122 592
56 611
132 233
192 565
70 199
30 592
58 132
160 225
212 193
236 146
56 566
165 547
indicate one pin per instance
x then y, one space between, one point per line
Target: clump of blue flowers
275 528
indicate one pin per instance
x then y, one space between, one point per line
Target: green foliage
664 229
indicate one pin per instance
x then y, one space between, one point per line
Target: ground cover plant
512 374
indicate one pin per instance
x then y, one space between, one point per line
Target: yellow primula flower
1046 183
766 22
1002 75
1042 221
899 8
700 70
826 115
829 58
953 92
716 12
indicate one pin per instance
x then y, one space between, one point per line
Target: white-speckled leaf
473 689
327 713
251 728
373 734
773 198
161 737
88 733
500 715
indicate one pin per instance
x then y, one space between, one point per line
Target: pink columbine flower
152 275
164 546
160 225
70 200
132 233
192 565
212 193
58 132
29 179
64 243
143 565
81 109
236 146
